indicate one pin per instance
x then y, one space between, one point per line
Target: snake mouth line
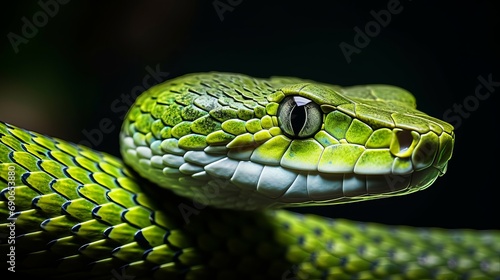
280 185
368 177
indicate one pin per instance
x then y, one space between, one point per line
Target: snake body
227 151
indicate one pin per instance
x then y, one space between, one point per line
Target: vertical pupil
298 118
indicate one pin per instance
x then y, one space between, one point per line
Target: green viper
208 159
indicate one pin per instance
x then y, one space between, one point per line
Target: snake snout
422 150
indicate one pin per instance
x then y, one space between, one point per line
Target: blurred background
71 69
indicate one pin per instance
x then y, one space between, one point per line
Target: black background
64 79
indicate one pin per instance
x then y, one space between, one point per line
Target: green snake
208 160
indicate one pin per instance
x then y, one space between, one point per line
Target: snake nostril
405 140
402 143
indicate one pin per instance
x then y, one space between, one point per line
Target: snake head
234 141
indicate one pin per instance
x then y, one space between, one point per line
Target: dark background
63 80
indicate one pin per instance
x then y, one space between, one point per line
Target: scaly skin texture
77 213
231 135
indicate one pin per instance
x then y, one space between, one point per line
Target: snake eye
299 117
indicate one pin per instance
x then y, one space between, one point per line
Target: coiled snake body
220 145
